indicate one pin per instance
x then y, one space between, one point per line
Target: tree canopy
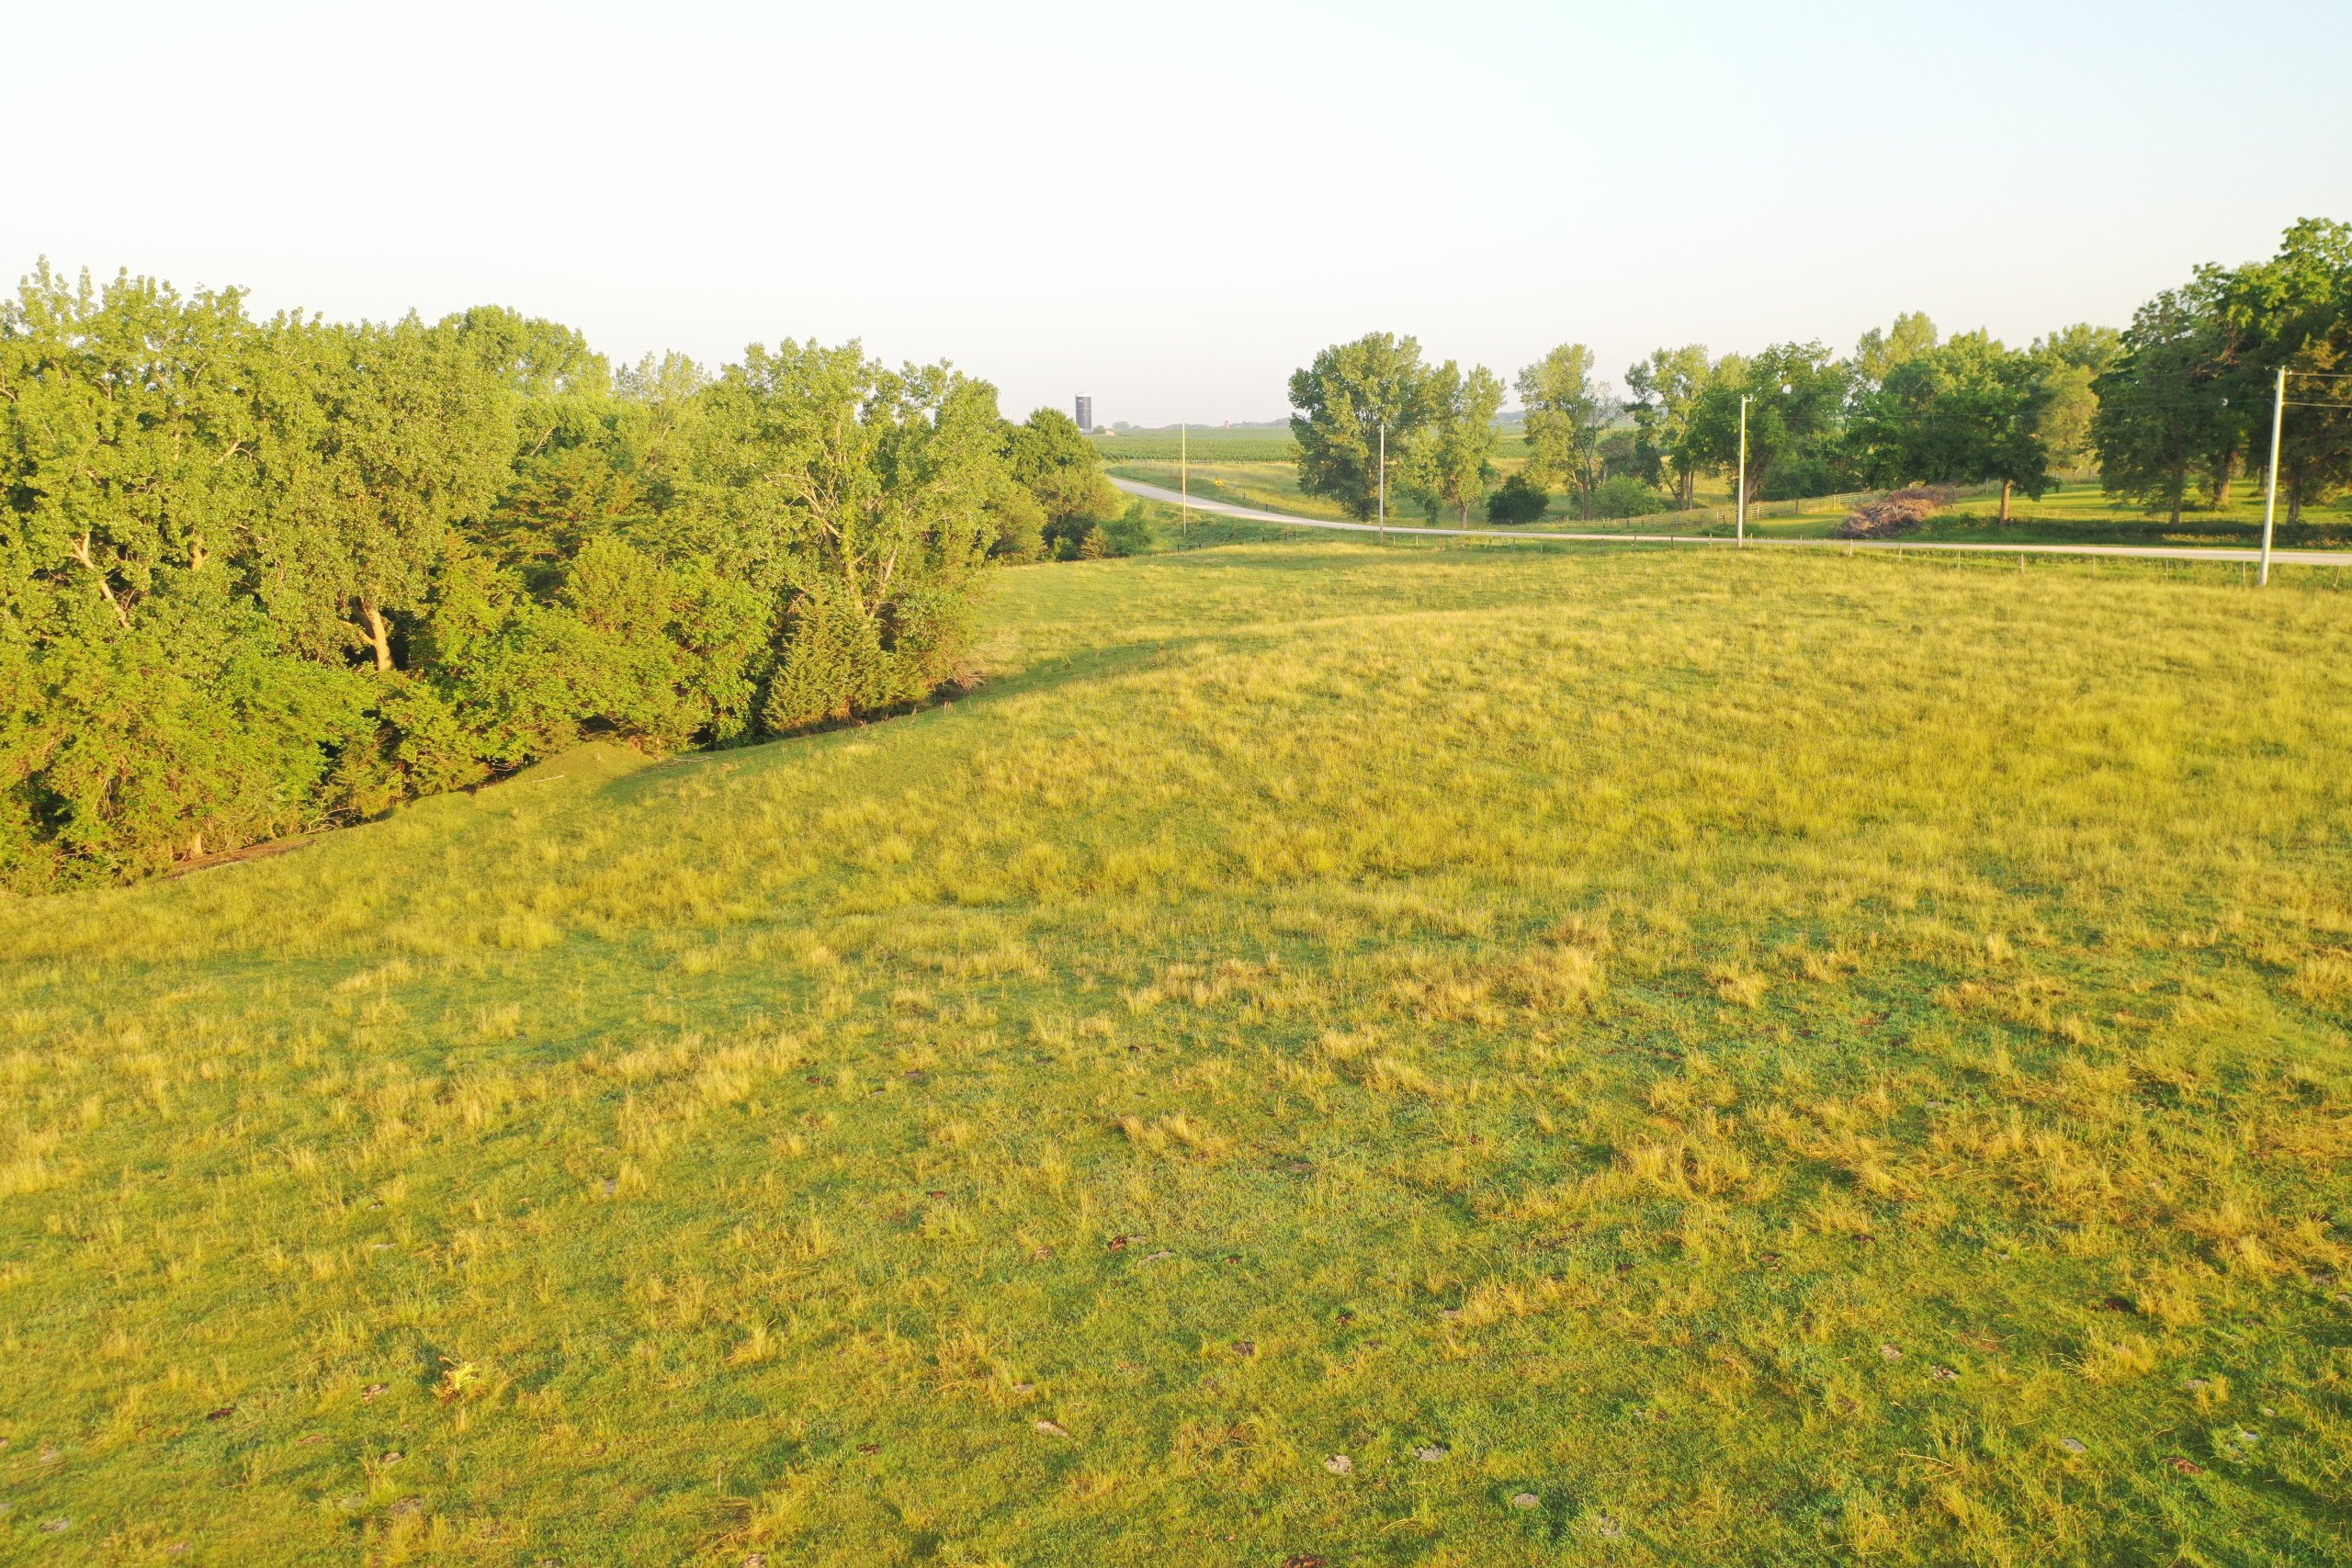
263 575
1967 410
1355 398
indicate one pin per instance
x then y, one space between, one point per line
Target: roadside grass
1271 487
2080 510
1331 1056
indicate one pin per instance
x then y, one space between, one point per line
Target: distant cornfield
1262 445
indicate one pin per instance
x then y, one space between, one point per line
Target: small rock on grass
1053 1428
1524 1500
1890 1352
2073 1445
1339 1464
1432 1454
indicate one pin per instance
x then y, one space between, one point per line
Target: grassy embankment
1441 1056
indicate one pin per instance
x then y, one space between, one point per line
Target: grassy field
1206 444
2076 512
1331 1056
2084 513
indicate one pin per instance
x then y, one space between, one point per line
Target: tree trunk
2007 485
1690 487
2225 468
379 633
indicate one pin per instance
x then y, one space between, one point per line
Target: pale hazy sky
1170 207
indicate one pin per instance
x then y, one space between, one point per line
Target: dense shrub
1622 495
1516 500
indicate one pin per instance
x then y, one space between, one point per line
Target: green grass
1738 1059
2083 512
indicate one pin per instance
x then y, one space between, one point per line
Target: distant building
1086 413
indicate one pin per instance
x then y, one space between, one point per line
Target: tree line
261 575
2177 404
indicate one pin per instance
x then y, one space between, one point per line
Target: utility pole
1184 478
1384 481
2270 489
1742 523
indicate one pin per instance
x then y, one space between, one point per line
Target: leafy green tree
2164 404
1568 413
1666 390
2072 359
856 500
1455 461
2294 312
1051 458
1966 412
1346 400
1881 353
380 441
1796 396
130 434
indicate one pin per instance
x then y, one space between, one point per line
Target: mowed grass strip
1469 1056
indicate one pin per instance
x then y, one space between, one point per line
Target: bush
1129 533
1519 499
1622 495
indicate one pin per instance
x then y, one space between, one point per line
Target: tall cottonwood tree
1568 412
1355 402
2072 359
1879 353
2164 406
1666 389
1454 464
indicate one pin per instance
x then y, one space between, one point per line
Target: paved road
2156 552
